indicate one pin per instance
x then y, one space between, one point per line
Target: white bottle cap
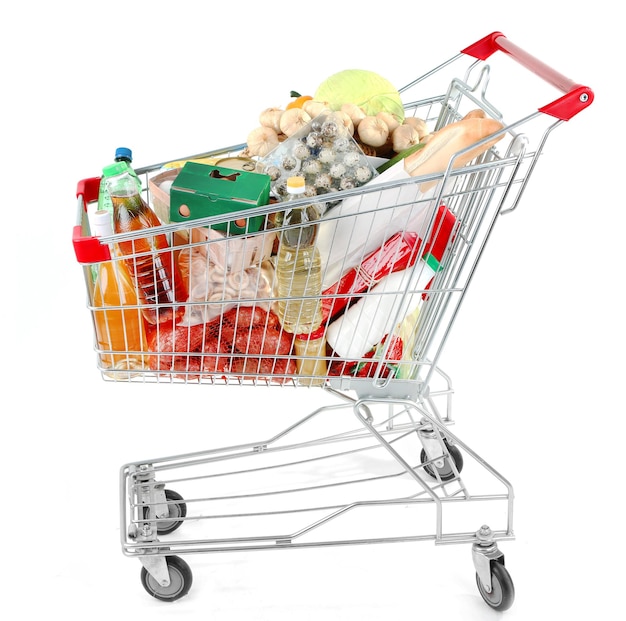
101 223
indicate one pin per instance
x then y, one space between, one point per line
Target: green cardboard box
201 190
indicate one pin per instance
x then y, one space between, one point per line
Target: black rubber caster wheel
177 511
502 589
446 472
180 581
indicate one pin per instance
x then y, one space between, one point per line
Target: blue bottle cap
123 152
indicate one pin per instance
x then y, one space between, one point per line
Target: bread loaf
451 139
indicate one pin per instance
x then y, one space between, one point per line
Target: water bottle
122 154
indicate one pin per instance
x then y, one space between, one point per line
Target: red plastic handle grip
88 189
88 249
576 98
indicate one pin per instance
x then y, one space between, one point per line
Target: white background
535 357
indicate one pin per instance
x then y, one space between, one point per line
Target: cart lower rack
389 480
396 254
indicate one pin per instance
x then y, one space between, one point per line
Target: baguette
478 113
435 156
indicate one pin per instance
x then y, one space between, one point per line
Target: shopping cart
378 463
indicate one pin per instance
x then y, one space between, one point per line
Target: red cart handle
88 249
577 97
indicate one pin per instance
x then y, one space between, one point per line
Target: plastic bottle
365 323
122 154
156 274
311 363
299 266
298 275
117 329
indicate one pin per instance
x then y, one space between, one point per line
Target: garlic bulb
270 117
314 108
292 120
373 131
356 113
390 120
418 124
261 141
404 136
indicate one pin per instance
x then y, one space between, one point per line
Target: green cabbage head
364 88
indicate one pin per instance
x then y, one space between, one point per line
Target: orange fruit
298 101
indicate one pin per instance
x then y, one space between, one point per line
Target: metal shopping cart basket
398 252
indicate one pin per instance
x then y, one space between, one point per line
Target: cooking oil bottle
299 284
298 265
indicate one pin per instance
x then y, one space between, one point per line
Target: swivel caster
492 578
173 582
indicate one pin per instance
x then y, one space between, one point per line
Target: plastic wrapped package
324 153
220 267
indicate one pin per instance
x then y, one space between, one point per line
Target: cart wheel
180 580
177 510
502 589
446 472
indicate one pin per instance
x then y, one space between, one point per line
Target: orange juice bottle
120 332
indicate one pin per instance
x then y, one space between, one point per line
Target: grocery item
404 137
361 224
367 89
397 253
367 321
160 186
374 131
451 139
246 341
122 154
118 329
222 270
310 350
156 275
368 104
369 365
324 153
399 156
200 159
298 265
203 190
298 100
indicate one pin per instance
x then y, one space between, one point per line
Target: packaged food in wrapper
324 153
221 269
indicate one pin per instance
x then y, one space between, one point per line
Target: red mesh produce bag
245 341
